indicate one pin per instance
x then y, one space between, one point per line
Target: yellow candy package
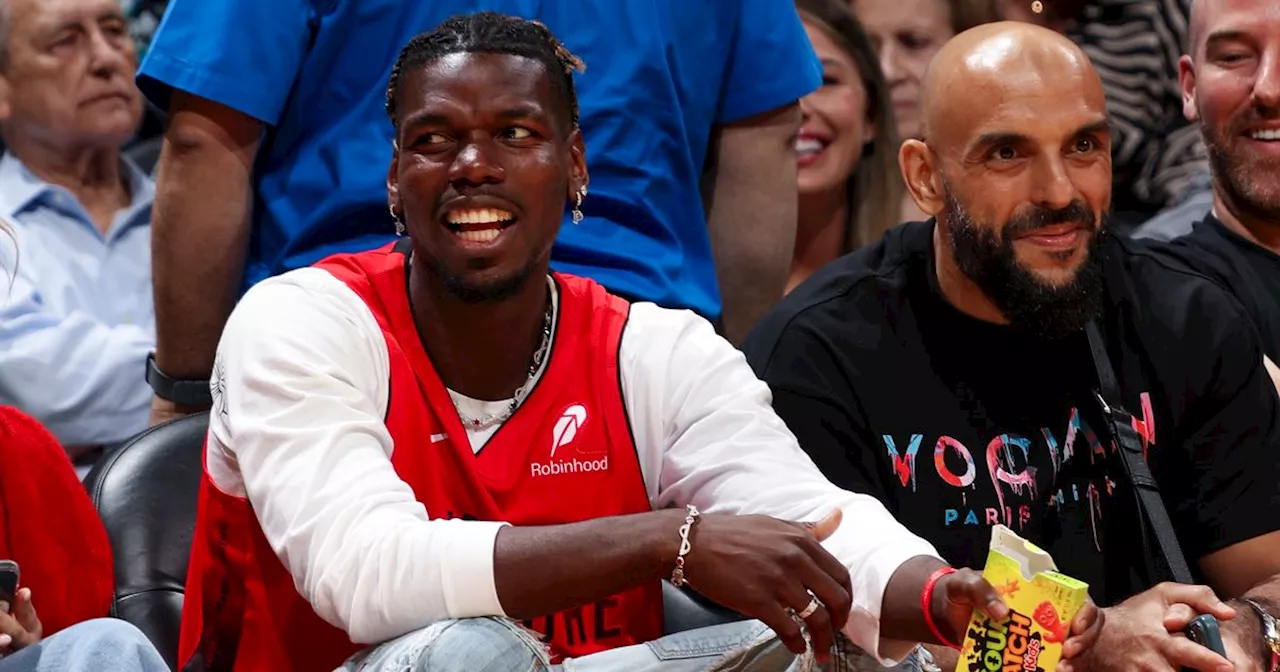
1043 604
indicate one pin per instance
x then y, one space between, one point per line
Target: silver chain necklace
490 419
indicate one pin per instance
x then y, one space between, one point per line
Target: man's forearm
901 613
1243 634
199 235
624 552
751 215
1268 589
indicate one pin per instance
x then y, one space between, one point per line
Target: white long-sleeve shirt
301 390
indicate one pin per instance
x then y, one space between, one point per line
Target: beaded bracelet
677 575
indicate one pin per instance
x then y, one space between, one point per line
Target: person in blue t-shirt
276 152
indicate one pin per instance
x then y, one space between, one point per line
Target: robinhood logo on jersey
569 461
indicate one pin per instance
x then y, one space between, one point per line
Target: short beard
1031 305
1236 177
493 291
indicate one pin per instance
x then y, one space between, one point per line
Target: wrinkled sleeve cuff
467 572
863 627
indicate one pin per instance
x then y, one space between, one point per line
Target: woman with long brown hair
847 149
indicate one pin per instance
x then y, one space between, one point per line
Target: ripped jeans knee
486 644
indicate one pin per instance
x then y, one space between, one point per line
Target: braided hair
494 33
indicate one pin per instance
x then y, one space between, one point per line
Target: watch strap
1270 636
181 392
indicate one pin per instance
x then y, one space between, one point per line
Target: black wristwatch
180 392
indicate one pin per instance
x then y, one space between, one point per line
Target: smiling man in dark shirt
1231 87
947 370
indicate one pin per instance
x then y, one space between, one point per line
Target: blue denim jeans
501 645
99 645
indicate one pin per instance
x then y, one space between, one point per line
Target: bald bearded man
948 370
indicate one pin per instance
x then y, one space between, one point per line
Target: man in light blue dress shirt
76 317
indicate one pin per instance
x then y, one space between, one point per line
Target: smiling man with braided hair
275 113
439 455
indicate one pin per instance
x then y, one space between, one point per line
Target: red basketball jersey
565 455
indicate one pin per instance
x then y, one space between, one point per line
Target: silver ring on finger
814 603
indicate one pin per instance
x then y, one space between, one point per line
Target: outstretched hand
772 570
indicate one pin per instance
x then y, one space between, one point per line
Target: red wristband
926 597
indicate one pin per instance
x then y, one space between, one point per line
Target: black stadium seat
146 492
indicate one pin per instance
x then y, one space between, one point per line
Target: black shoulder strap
1144 484
1102 363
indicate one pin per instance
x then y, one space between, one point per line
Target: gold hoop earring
577 206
